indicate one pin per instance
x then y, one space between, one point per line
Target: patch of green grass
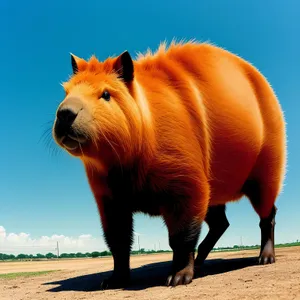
24 274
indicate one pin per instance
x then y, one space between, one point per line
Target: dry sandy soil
233 275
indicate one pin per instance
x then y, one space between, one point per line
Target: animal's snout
65 119
66 116
69 110
68 130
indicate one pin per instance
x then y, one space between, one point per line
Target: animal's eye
105 95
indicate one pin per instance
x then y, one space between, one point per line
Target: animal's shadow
151 275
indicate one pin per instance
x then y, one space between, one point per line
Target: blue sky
42 194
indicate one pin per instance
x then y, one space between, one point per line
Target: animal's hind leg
260 195
267 226
217 222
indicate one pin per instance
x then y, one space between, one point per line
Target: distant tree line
4 256
95 254
50 255
238 247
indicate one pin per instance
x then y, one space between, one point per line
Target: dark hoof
114 282
267 256
182 277
266 259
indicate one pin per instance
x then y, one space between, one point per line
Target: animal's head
99 119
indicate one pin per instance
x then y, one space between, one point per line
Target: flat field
225 275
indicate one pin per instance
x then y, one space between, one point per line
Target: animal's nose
66 116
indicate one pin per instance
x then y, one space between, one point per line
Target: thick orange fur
196 120
193 110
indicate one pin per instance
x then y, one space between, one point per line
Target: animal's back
223 108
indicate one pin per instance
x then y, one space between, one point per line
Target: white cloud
2 233
15 243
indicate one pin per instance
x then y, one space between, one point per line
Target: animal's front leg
117 224
184 232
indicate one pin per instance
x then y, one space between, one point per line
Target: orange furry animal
176 134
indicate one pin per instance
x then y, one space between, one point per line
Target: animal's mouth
69 143
72 143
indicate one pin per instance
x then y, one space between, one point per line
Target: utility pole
57 249
139 244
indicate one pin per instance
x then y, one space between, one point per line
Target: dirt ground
233 275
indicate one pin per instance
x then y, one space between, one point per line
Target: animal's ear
123 66
75 61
